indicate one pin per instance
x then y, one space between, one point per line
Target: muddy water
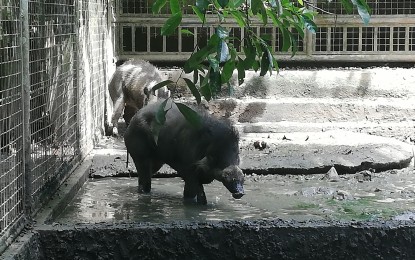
387 195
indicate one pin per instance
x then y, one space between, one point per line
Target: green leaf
294 46
222 32
236 3
237 15
273 3
363 10
286 37
299 30
264 15
206 92
171 24
186 32
256 6
191 116
223 52
249 51
223 3
348 6
193 89
215 82
198 57
174 6
161 113
202 5
227 70
195 59
213 63
241 71
205 89
199 14
255 66
158 5
161 84
301 2
265 64
309 24
195 76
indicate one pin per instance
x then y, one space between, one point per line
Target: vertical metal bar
133 28
310 39
407 38
328 39
115 27
344 39
273 32
27 166
77 79
375 38
242 38
195 42
360 39
164 48
391 38
148 38
179 36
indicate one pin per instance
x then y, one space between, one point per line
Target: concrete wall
271 239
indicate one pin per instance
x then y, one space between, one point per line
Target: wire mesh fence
92 69
11 119
53 76
377 7
53 91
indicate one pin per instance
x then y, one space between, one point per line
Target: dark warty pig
199 154
130 90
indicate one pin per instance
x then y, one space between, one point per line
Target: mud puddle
388 195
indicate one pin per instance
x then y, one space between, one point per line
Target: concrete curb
66 192
262 239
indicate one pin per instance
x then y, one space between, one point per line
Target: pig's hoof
142 189
189 201
201 199
115 131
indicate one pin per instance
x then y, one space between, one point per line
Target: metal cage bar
53 77
334 39
12 178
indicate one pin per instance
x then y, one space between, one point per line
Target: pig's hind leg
118 108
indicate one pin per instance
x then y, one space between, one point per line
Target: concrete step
318 110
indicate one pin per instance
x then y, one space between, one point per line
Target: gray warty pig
130 90
198 154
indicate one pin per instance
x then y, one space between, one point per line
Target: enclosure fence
53 76
390 35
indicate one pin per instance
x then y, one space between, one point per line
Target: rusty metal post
27 166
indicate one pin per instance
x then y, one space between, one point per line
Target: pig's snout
236 188
240 191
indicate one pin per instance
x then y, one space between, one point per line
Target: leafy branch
214 64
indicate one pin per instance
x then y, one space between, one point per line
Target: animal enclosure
56 59
390 35
53 76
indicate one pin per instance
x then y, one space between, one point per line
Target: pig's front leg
193 189
144 171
